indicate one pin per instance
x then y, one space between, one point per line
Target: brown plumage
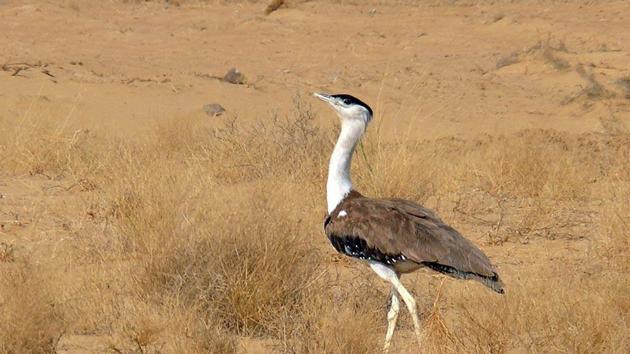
405 236
393 236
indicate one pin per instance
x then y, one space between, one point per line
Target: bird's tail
493 282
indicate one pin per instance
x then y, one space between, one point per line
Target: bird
393 236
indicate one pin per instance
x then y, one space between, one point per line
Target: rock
213 109
234 76
273 6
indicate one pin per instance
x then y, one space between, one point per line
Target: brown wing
396 229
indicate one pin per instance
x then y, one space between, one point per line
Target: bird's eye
346 101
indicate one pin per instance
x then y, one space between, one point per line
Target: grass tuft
30 318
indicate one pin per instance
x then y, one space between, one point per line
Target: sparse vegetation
30 317
548 50
131 221
213 233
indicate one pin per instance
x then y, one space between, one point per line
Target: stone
234 76
213 109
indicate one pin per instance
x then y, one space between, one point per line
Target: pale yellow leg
390 275
392 317
411 305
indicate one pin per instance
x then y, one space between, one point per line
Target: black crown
348 99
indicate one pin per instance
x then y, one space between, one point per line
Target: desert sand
513 117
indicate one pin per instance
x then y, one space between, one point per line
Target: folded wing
397 229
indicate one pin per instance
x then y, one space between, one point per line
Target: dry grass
208 233
549 50
30 319
577 315
615 220
351 323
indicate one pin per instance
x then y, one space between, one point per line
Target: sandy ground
439 70
435 71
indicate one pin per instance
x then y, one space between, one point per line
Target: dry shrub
347 317
576 315
149 203
293 146
30 320
168 326
533 163
395 169
144 328
344 330
238 256
39 146
248 268
7 252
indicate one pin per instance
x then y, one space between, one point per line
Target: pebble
234 76
213 109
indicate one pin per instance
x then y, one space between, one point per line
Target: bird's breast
356 247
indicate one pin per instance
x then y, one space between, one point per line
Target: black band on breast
358 248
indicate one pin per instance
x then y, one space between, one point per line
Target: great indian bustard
394 236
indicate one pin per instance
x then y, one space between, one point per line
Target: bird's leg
392 317
411 305
390 275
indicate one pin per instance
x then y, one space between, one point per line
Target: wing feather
401 227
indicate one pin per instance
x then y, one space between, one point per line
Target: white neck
339 183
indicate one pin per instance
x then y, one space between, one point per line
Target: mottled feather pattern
396 227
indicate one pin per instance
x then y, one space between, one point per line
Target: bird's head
349 108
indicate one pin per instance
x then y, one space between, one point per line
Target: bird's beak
324 97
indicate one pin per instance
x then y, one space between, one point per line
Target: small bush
30 320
